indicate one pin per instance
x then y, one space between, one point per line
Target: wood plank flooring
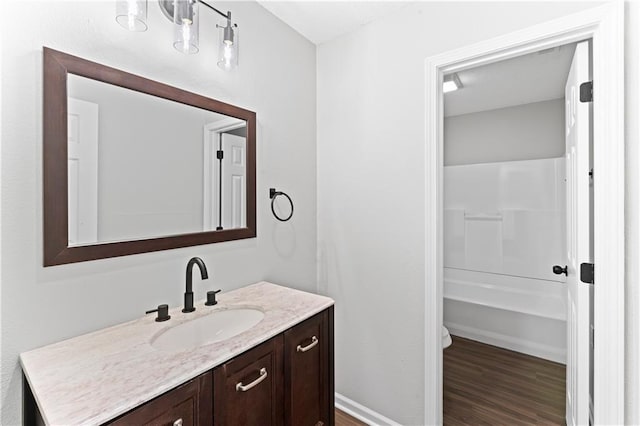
343 419
486 385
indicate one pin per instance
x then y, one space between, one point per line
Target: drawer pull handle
314 342
243 388
178 422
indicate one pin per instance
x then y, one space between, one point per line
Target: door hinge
591 173
586 92
586 272
220 154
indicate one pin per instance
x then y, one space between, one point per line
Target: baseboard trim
547 352
362 413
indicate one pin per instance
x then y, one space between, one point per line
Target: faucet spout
188 294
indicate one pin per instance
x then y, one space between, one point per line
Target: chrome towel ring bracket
273 194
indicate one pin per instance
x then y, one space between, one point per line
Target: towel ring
273 194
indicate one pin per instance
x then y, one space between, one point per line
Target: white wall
371 111
523 132
276 79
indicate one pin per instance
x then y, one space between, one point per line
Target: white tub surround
504 230
95 377
506 218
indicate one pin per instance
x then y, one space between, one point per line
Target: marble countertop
93 378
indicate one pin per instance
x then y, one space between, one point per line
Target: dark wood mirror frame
56 66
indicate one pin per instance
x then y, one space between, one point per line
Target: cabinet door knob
314 342
243 388
178 422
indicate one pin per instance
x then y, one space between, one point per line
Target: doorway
604 25
516 148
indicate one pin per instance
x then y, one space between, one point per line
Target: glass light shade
228 47
132 14
186 26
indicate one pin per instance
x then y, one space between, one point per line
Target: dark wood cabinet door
248 389
189 404
307 373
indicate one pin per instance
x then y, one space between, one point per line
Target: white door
234 171
579 245
226 188
82 171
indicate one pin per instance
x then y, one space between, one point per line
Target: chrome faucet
188 294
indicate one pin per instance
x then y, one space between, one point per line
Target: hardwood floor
486 385
343 419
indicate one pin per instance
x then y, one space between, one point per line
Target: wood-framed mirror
131 165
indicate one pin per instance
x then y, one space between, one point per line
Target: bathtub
517 313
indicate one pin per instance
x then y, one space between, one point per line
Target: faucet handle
163 313
211 298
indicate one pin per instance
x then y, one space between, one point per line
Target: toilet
446 338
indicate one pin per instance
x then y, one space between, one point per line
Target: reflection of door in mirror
225 175
233 181
82 156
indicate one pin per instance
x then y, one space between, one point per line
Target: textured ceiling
530 78
322 21
526 79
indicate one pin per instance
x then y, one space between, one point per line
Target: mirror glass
132 165
140 166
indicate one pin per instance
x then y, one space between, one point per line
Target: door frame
604 25
88 126
211 132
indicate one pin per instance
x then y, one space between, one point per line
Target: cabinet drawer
307 374
189 404
248 389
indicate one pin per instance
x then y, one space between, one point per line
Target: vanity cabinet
286 380
189 404
307 393
248 389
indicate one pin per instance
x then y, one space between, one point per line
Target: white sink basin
220 325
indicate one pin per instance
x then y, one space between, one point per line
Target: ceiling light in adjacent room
451 82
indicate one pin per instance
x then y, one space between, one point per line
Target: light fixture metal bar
226 15
167 9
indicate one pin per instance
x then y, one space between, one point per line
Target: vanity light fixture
132 15
186 29
451 82
228 45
